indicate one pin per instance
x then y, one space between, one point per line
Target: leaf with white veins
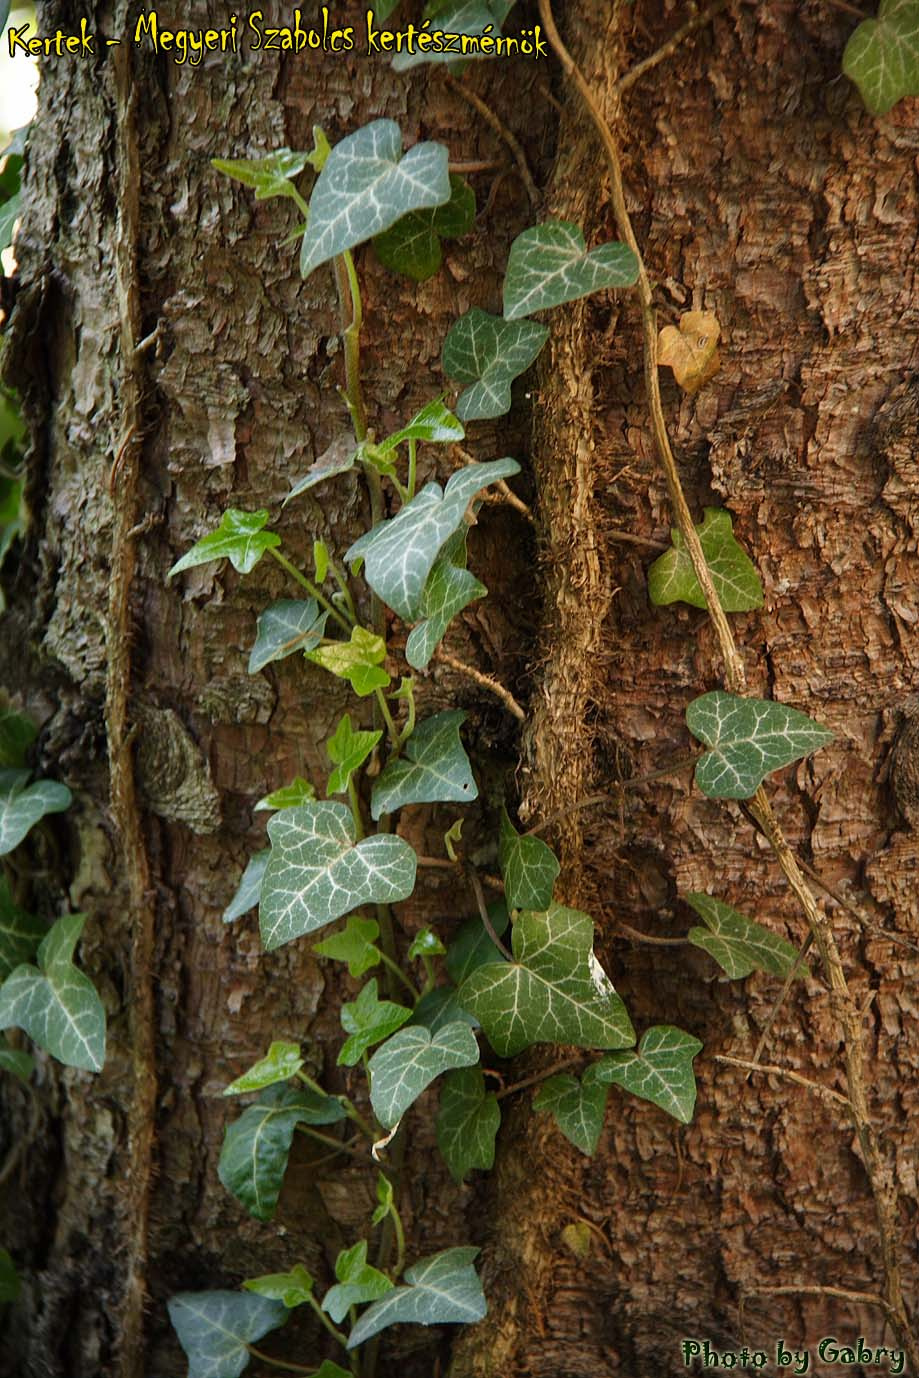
56 1004
433 769
738 944
443 1289
747 740
659 1071
467 1123
410 1060
549 264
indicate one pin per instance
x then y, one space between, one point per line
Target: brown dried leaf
692 349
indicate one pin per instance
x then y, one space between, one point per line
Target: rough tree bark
760 189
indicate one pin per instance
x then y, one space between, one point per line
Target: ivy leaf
439 1008
738 944
292 1288
449 589
286 627
256 1147
9 1278
529 868
20 933
358 1282
55 1003
549 264
473 948
435 424
369 1020
20 1064
17 733
23 805
578 1108
467 1123
691 349
555 990
461 17
339 458
489 353
268 176
672 579
299 791
354 945
250 887
660 1071
434 768
240 538
348 750
358 660
281 1062
366 186
412 245
400 553
443 1289
385 1198
748 739
408 1063
882 56
316 873
216 1328
426 944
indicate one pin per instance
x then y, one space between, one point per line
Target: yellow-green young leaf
348 750
9 1278
55 1003
21 1065
577 1107
467 1122
320 561
412 245
369 1020
441 1290
358 1282
284 628
354 945
20 933
292 1288
280 1063
882 56
660 1071
358 661
23 805
299 791
426 944
434 768
672 579
747 740
269 176
529 868
410 1060
738 944
549 264
250 887
489 352
240 538
578 1237
385 1199
216 1328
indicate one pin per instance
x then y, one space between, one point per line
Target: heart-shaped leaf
269 176
54 1003
441 1290
316 873
338 458
359 661
489 353
366 186
474 17
748 739
286 627
358 1282
408 1063
240 538
256 1147
216 1328
435 424
549 264
882 56
738 944
369 1020
449 588
555 990
439 1008
467 1123
433 769
250 887
281 1062
299 791
20 933
672 579
23 805
473 948
578 1108
292 1288
399 554
691 349
412 245
660 1071
354 945
20 1064
529 868
348 750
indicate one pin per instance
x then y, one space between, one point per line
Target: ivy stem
485 681
346 1104
698 21
311 589
342 583
327 1139
396 1219
537 1077
483 912
395 968
333 1330
349 292
391 727
412 468
286 1364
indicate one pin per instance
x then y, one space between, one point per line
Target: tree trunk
761 190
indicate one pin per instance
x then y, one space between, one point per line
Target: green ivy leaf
256 1147
316 873
366 186
412 245
439 1008
473 948
426 944
385 1199
284 628
17 733
434 768
358 661
240 538
457 16
660 1071
291 1289
578 1108
250 887
467 1123
216 1328
268 176
340 457
748 739
55 1003
529 868
357 1282
441 1290
882 56
281 1062
9 1278
400 553
320 561
489 353
408 1063
354 945
299 791
555 991
435 424
369 1020
672 579
549 264
20 1064
348 750
20 933
23 805
449 589
738 944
